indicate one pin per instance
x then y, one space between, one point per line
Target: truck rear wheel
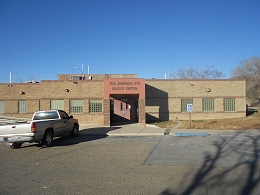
16 145
47 139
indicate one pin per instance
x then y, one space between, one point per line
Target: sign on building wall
124 86
189 107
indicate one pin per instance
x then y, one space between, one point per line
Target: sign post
190 109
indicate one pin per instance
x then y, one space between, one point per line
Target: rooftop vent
78 78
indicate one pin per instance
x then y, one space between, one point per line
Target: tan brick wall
96 76
163 98
39 95
106 111
219 88
90 118
142 116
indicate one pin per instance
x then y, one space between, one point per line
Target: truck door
67 123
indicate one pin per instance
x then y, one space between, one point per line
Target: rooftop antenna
72 67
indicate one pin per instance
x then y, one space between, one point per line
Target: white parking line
246 145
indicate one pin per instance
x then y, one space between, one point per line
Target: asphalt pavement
128 159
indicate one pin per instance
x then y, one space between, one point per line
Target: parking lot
224 162
224 150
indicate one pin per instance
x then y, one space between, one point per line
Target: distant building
107 98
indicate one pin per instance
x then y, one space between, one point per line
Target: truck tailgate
16 128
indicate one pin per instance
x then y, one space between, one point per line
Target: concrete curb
134 134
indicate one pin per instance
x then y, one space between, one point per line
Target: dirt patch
244 123
165 124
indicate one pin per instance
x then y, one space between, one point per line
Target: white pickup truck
44 126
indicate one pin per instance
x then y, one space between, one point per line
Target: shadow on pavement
85 135
205 177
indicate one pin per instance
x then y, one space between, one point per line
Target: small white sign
189 107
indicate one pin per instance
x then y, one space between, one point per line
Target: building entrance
124 100
124 109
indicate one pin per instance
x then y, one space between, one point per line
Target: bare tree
20 80
250 70
31 77
196 73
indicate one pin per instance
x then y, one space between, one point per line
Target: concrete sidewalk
146 130
123 130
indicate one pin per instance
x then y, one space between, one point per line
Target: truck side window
64 115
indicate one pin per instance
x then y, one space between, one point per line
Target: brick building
103 99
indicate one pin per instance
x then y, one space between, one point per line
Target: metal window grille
184 103
207 105
57 104
76 106
2 107
21 106
229 105
95 106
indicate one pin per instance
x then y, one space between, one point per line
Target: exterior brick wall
106 111
162 98
96 76
142 116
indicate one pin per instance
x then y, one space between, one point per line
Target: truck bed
12 123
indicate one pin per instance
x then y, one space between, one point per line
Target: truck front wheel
47 139
75 131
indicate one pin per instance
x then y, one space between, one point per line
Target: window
21 106
229 105
76 106
207 105
57 105
2 107
95 106
46 115
184 103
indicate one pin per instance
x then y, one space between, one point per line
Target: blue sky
40 39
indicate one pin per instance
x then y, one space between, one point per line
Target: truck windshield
45 115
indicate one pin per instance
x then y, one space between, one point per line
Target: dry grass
245 123
165 124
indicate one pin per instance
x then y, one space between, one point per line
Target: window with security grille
95 106
229 104
2 107
207 105
21 106
57 104
184 103
76 106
